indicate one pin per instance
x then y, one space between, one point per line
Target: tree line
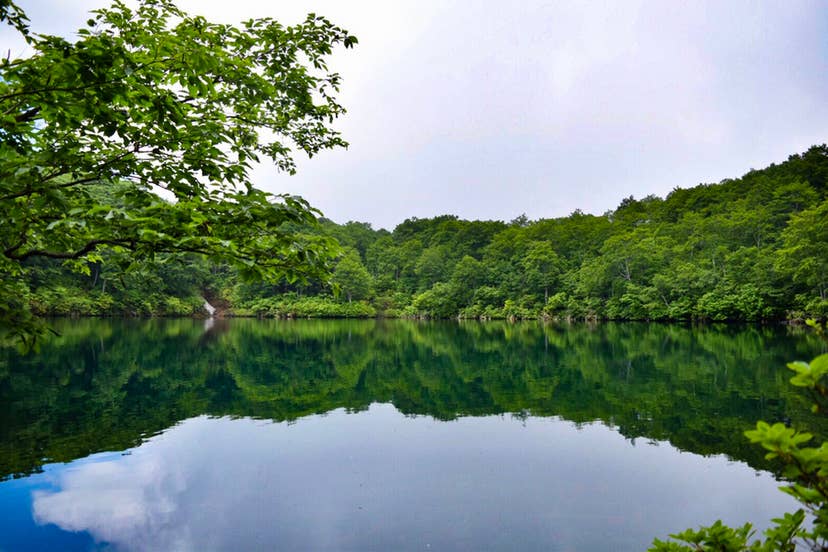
750 248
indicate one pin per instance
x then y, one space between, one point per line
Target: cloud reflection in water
380 480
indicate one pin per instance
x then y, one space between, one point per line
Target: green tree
351 276
432 266
804 254
149 102
467 276
541 267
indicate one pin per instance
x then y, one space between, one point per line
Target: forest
751 248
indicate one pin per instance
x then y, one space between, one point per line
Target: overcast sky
490 109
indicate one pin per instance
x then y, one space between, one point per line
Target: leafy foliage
139 137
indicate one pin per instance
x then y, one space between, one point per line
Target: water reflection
387 435
380 481
107 385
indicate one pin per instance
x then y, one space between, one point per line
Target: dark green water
372 435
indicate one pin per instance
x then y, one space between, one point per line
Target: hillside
749 248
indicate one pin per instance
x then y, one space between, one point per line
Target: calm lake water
388 435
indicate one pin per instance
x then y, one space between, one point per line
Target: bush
291 306
514 310
557 304
437 302
188 306
818 308
733 303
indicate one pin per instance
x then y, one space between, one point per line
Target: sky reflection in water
419 448
379 480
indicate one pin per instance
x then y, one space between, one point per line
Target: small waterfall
210 308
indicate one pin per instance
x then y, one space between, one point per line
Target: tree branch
91 246
27 116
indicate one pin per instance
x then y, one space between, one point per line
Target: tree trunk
627 274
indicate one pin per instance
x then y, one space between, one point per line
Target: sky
490 110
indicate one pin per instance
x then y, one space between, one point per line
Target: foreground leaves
139 136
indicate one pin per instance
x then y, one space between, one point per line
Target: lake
388 435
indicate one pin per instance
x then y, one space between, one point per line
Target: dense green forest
751 248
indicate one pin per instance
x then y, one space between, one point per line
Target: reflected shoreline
107 384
